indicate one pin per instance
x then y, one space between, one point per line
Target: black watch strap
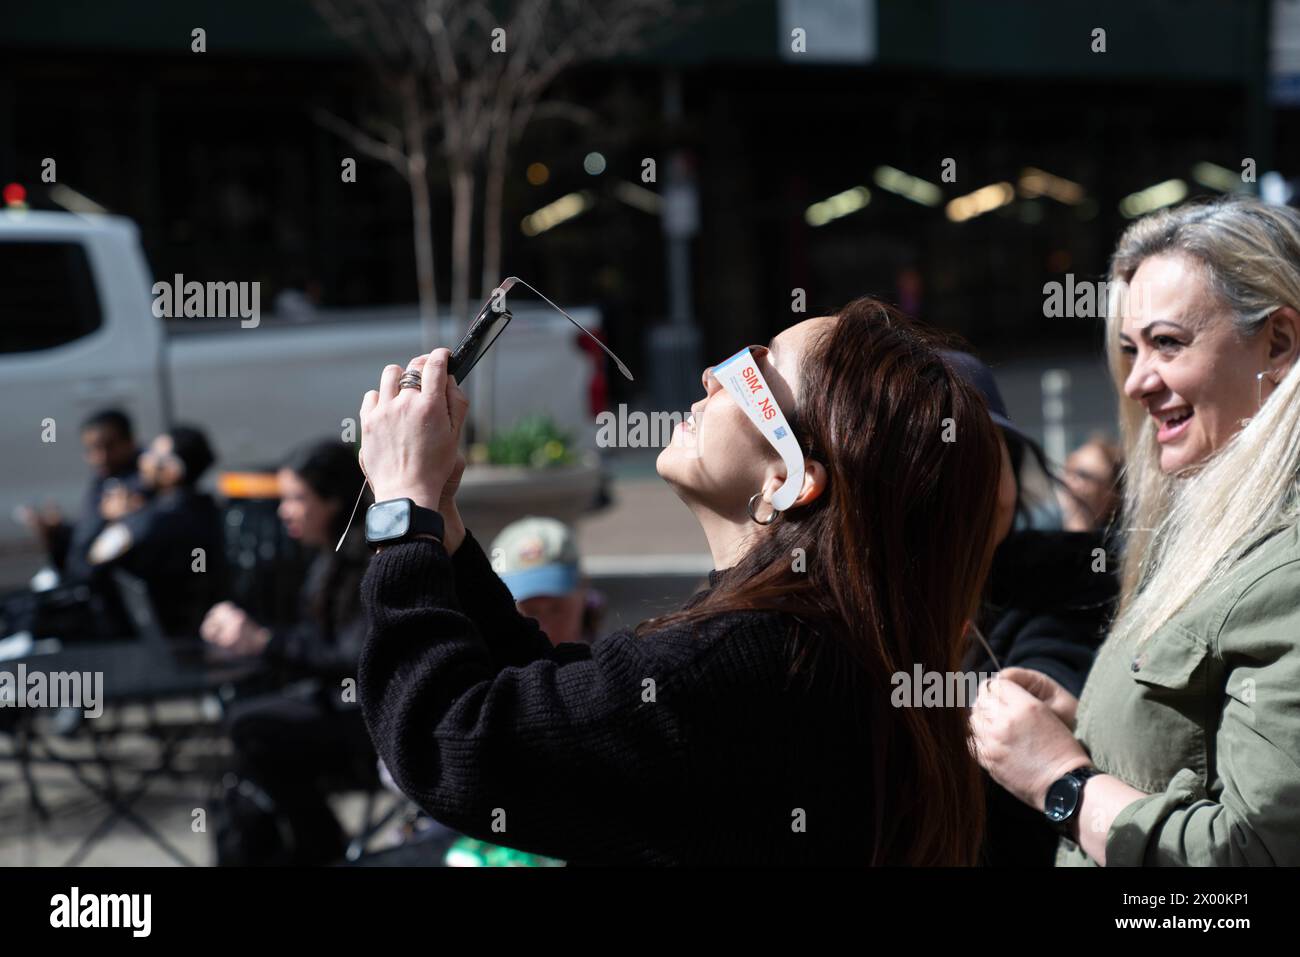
425 521
1082 774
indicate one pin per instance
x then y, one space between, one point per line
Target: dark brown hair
898 547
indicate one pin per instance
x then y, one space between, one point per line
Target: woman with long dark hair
755 724
293 745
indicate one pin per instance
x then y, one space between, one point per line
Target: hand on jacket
1047 690
1022 744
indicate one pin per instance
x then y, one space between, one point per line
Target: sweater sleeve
1255 816
512 638
552 757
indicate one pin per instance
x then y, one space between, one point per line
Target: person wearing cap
1047 604
157 539
537 558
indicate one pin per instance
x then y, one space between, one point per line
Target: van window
47 295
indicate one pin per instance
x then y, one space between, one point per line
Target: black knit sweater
686 746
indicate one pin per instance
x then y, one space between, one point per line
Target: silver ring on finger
409 380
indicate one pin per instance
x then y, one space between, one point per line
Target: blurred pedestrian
537 558
298 744
172 540
1091 493
108 447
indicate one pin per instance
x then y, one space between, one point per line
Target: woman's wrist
424 496
453 530
1039 796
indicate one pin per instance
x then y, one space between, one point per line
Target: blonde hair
1183 534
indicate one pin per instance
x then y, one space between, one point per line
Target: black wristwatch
1065 795
400 520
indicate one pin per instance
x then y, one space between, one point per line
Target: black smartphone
490 323
483 331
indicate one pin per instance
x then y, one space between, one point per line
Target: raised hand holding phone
487 326
410 436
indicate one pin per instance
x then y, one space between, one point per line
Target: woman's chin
671 469
664 463
1176 460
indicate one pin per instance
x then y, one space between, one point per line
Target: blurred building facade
821 171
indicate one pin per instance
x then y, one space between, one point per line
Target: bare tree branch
434 59
387 151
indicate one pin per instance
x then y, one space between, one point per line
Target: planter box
492 496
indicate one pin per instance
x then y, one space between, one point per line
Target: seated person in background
537 558
108 446
285 741
173 540
1091 494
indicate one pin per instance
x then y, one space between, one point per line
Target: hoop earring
1259 396
750 508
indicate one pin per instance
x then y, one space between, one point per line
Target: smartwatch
400 520
1065 795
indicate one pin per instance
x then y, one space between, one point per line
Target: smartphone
491 322
483 331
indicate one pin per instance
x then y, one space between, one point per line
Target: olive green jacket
1205 718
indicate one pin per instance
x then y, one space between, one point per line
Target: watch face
1062 799
388 520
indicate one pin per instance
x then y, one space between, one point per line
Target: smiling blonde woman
1188 729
